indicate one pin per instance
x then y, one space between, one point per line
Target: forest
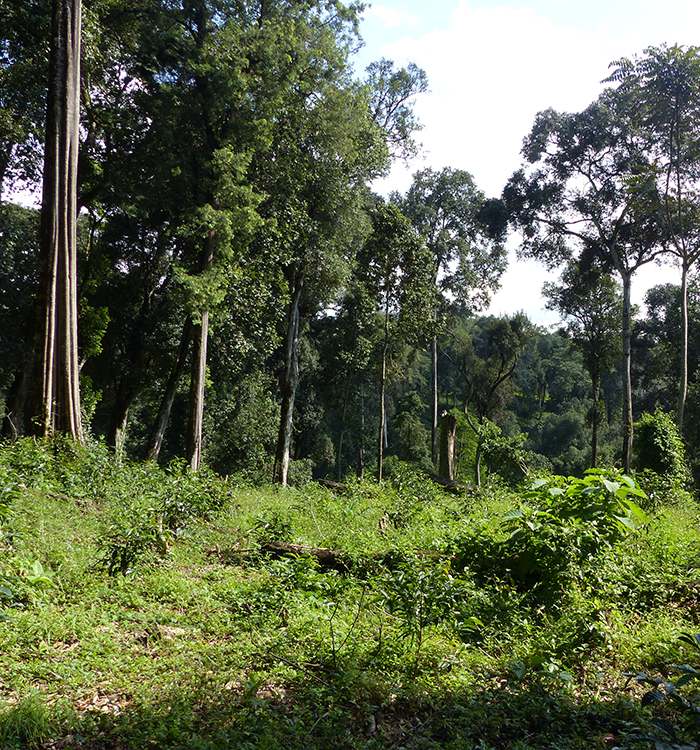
270 474
242 297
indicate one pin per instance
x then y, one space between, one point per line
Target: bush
659 448
155 506
555 535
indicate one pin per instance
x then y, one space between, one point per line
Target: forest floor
139 608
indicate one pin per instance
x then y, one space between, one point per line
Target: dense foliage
247 303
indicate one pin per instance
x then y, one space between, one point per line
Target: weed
27 723
434 643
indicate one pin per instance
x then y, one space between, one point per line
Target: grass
206 642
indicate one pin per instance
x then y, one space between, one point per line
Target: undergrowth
142 606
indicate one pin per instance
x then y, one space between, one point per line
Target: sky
491 67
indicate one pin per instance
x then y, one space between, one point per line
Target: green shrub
152 506
679 693
26 724
300 472
556 533
10 486
658 447
413 491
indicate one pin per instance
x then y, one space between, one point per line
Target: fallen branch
342 561
451 485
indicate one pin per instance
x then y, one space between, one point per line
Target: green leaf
653 698
611 487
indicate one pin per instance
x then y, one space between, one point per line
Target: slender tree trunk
342 429
595 422
361 454
627 417
12 425
120 415
290 380
55 400
130 385
382 395
683 385
195 420
479 450
155 440
448 428
477 465
435 428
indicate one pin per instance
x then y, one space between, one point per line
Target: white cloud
490 73
390 18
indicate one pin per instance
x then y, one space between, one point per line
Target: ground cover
138 608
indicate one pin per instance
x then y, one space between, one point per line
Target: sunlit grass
212 643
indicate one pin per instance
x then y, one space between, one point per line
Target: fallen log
451 485
331 485
328 559
343 562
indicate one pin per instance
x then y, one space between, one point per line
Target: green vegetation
142 607
221 224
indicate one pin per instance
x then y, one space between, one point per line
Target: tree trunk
12 425
195 419
382 395
342 428
683 385
155 440
130 385
434 431
448 428
361 453
120 415
55 401
627 417
477 465
595 422
290 380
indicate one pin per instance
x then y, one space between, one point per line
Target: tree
19 239
486 352
391 93
344 341
324 151
590 194
590 306
333 138
445 207
55 385
663 87
25 33
394 266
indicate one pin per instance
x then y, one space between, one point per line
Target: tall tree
330 141
664 88
325 150
55 379
392 92
445 208
590 306
486 352
19 239
394 266
590 194
25 33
